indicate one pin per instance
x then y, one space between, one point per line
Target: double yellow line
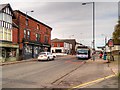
94 81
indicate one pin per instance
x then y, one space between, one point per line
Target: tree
116 34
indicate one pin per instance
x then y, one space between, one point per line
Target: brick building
33 35
61 46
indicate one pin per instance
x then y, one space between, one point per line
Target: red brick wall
56 43
32 26
15 35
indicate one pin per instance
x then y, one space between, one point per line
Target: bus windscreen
82 51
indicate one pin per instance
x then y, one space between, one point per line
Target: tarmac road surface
63 72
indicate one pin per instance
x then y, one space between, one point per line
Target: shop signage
110 43
8 45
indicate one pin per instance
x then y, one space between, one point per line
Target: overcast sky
72 19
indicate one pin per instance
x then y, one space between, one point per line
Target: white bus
83 52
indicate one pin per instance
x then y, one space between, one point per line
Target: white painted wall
67 47
116 47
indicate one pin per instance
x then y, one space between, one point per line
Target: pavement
15 62
113 64
110 81
107 83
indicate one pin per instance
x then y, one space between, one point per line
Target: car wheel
53 58
48 59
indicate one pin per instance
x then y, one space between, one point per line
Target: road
64 72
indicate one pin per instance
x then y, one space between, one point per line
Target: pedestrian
105 55
101 54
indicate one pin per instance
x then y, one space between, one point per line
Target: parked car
46 56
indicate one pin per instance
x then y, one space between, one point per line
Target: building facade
9 51
73 42
60 46
33 35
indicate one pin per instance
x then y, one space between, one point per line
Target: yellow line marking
91 82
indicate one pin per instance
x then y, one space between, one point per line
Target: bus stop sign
110 43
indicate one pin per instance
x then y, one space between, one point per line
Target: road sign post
110 45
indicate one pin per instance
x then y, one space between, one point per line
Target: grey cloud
68 18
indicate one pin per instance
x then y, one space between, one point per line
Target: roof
32 18
56 40
3 6
63 40
70 40
79 43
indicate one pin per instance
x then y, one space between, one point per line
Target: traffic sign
110 43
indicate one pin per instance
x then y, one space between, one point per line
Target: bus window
82 52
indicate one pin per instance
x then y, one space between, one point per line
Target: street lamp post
27 19
93 3
105 40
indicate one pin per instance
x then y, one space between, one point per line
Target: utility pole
93 3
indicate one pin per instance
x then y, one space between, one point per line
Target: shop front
9 51
31 50
46 47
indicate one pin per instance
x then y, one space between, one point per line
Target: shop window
10 52
28 49
2 53
58 50
36 50
13 51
